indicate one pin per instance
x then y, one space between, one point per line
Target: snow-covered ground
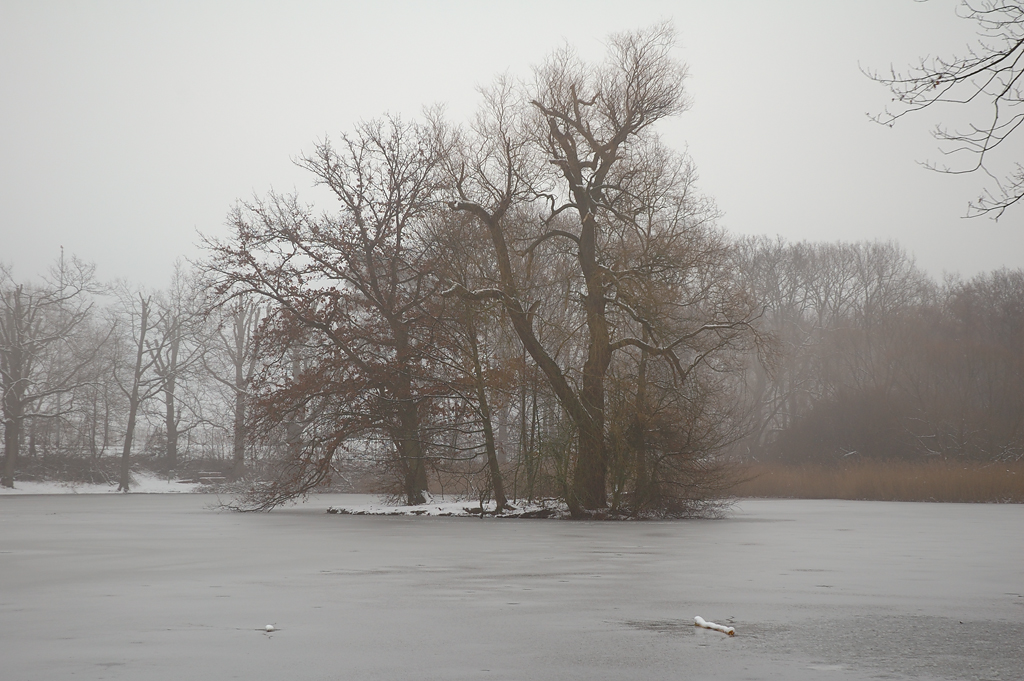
143 483
155 587
365 504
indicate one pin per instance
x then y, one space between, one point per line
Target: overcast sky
128 127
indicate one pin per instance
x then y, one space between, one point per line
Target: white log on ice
699 621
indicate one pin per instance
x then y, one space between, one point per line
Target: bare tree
177 353
145 337
234 340
41 353
356 284
580 142
988 75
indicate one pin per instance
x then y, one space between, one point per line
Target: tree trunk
171 424
243 321
533 448
407 435
589 485
93 426
589 488
129 434
497 485
238 436
12 384
133 401
106 421
410 451
12 435
170 380
638 437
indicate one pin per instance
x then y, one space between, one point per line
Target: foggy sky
127 127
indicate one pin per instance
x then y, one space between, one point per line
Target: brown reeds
947 481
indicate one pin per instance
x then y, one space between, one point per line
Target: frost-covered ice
704 624
143 483
156 587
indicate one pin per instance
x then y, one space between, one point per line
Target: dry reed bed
887 481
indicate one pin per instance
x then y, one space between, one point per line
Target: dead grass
886 481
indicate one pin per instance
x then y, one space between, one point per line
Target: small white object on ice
699 621
269 627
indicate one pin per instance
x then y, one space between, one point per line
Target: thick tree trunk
589 481
497 485
410 451
407 439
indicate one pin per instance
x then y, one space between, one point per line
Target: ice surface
155 587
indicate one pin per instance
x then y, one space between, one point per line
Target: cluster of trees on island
539 303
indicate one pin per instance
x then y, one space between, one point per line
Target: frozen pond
162 587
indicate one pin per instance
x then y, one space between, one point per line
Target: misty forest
534 304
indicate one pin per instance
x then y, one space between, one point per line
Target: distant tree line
872 358
97 377
538 304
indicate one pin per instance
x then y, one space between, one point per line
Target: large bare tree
356 283
579 142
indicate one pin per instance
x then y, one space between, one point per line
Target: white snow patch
142 483
439 506
701 622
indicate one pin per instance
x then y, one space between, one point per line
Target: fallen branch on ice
699 621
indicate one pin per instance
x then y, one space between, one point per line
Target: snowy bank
439 506
142 483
